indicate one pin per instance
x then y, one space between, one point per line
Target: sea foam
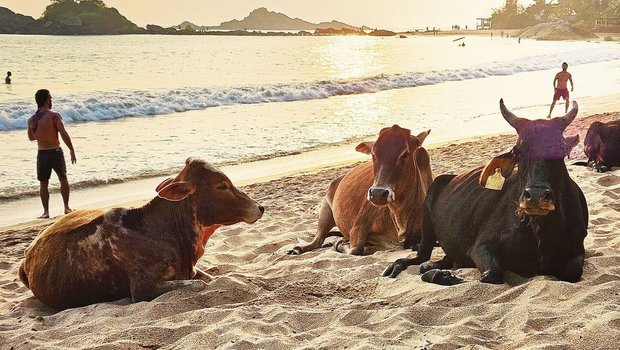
120 103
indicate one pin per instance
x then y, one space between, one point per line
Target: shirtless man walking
561 89
44 127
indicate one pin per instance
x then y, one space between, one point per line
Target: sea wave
119 104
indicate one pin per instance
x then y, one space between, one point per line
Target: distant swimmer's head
42 97
564 66
8 74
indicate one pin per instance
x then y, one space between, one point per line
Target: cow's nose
261 208
379 196
537 195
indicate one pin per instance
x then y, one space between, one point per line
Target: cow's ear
163 184
505 162
365 147
422 136
571 142
176 191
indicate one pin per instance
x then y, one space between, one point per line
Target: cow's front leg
573 270
357 240
487 263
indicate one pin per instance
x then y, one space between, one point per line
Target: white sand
262 298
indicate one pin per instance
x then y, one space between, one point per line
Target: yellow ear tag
495 181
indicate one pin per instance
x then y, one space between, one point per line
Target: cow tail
22 275
429 238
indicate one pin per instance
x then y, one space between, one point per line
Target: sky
391 14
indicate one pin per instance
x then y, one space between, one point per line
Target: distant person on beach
561 88
44 126
7 80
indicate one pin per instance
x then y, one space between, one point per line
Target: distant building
607 24
483 23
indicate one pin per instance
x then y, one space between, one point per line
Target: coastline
262 298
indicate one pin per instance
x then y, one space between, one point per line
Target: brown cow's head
394 158
539 154
212 195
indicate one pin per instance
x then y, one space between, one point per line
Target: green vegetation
583 13
92 15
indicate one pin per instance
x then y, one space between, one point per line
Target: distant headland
93 17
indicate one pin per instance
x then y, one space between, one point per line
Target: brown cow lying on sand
378 204
91 256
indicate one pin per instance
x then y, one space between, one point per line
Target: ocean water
138 106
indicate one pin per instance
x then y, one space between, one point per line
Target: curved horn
570 116
512 119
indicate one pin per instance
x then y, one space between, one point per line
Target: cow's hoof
339 246
327 245
487 277
427 266
294 251
395 268
602 168
442 277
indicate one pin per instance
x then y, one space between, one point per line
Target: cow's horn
570 116
508 115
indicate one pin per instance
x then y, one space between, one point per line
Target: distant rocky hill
69 17
263 19
13 23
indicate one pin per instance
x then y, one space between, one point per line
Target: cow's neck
401 210
173 222
545 227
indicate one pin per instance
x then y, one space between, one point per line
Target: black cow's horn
508 115
570 116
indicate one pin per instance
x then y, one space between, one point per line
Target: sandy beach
261 298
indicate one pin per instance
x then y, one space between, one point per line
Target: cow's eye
222 187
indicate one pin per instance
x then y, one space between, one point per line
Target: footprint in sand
608 180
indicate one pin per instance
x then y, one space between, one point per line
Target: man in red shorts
561 89
44 127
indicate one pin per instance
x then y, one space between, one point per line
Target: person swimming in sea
7 80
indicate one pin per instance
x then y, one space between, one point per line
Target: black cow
534 225
602 145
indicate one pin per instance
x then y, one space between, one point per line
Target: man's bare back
45 129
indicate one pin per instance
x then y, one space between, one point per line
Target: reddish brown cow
378 204
91 256
602 145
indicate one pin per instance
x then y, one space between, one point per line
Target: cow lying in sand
377 204
92 256
534 223
602 145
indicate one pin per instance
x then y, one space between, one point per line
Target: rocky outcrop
381 32
155 29
560 30
263 19
69 17
14 23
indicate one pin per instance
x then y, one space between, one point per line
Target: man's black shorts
50 159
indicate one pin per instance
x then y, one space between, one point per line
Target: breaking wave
119 104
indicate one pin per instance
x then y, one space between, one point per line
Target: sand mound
261 298
560 30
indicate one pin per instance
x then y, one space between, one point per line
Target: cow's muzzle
253 214
537 201
380 196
